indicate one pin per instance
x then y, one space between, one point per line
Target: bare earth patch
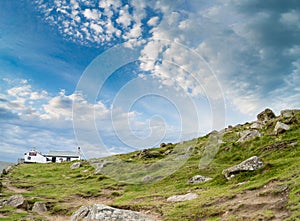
266 203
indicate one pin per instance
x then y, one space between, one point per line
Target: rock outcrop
100 212
248 135
181 198
257 125
199 179
17 201
288 113
266 115
39 207
7 170
251 164
280 128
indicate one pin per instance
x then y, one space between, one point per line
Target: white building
53 156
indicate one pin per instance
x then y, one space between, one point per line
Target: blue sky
114 76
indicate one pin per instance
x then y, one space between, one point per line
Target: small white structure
53 156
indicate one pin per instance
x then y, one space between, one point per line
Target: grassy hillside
270 193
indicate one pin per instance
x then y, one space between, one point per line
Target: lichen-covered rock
199 179
39 207
257 125
288 113
251 164
280 128
181 198
17 201
75 165
266 115
248 135
81 214
102 212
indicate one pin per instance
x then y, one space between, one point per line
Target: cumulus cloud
97 24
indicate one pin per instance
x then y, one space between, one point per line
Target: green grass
57 184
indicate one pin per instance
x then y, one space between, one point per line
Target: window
28 158
32 153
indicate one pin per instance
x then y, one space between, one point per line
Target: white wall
30 158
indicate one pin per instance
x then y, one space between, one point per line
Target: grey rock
7 170
183 156
81 214
102 212
181 198
257 125
75 165
17 201
147 179
248 135
199 179
280 128
266 115
168 152
39 207
251 164
3 202
288 113
99 166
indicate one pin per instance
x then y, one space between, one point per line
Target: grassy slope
57 185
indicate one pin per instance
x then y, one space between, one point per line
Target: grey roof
62 154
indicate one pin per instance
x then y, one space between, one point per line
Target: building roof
62 154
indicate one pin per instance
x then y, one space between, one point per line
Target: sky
115 76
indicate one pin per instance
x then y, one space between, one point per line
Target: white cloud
291 18
86 22
91 14
153 21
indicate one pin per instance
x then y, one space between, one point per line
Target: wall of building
34 157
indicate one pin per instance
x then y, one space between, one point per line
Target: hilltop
201 183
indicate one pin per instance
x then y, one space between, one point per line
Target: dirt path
6 183
267 203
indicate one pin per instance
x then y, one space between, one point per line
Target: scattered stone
99 166
190 149
182 157
266 115
280 145
291 120
288 113
147 179
17 201
280 128
81 213
103 212
39 207
251 164
199 179
168 152
147 154
75 165
181 198
163 145
248 135
3 202
257 125
7 170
